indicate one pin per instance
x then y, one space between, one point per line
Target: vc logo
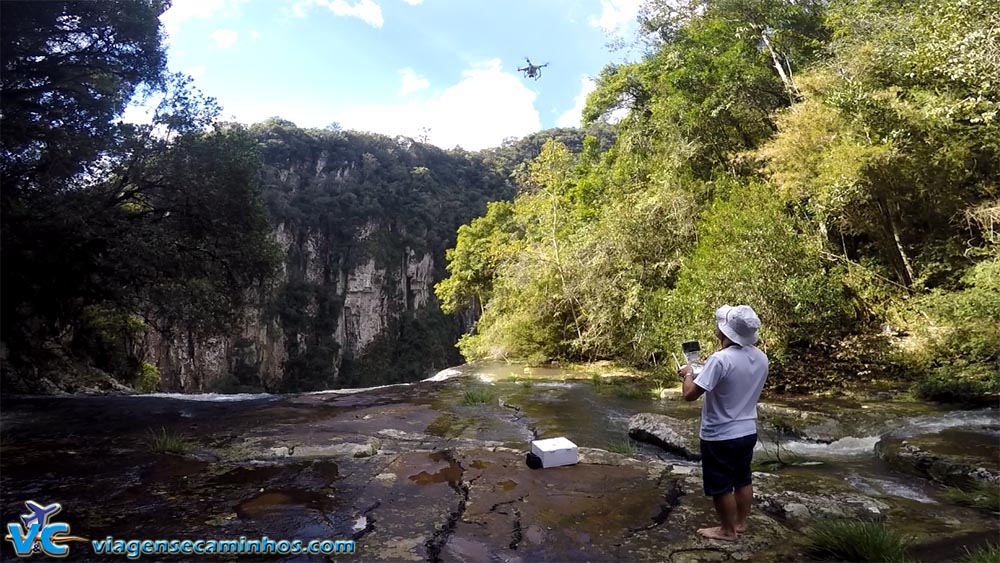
38 534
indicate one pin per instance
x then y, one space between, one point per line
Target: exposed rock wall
362 223
370 297
367 307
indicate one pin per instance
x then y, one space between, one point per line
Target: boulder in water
677 436
805 425
944 458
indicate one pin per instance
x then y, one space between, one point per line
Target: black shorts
726 464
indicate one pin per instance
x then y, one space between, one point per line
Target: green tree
634 249
105 221
528 309
192 237
481 247
895 139
750 251
706 93
69 69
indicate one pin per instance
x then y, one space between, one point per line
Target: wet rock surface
679 437
955 458
801 509
409 472
800 423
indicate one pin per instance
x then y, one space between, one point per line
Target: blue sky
399 66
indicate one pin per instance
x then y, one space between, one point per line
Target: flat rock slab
470 505
800 509
581 512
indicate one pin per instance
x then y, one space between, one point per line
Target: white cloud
414 2
224 38
486 106
617 16
571 118
367 11
300 8
254 34
196 71
183 10
412 82
139 113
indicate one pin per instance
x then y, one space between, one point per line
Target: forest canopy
835 165
111 228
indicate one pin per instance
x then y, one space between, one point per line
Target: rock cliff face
362 223
370 299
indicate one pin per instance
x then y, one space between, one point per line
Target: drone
532 71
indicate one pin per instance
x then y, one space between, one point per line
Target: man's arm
690 389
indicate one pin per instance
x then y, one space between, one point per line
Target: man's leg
725 506
744 498
743 480
719 485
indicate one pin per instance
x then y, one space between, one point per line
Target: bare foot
717 534
741 529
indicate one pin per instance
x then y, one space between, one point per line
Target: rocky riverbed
412 472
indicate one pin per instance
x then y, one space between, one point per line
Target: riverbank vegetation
986 554
858 541
982 496
834 165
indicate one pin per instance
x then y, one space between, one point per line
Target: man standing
731 380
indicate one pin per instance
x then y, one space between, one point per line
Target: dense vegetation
111 227
833 164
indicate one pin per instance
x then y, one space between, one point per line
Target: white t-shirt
732 379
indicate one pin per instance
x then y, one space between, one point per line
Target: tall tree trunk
784 73
898 259
574 303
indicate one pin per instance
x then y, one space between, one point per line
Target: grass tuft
989 553
624 447
479 396
850 540
168 443
984 497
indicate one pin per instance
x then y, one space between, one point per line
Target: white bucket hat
739 324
